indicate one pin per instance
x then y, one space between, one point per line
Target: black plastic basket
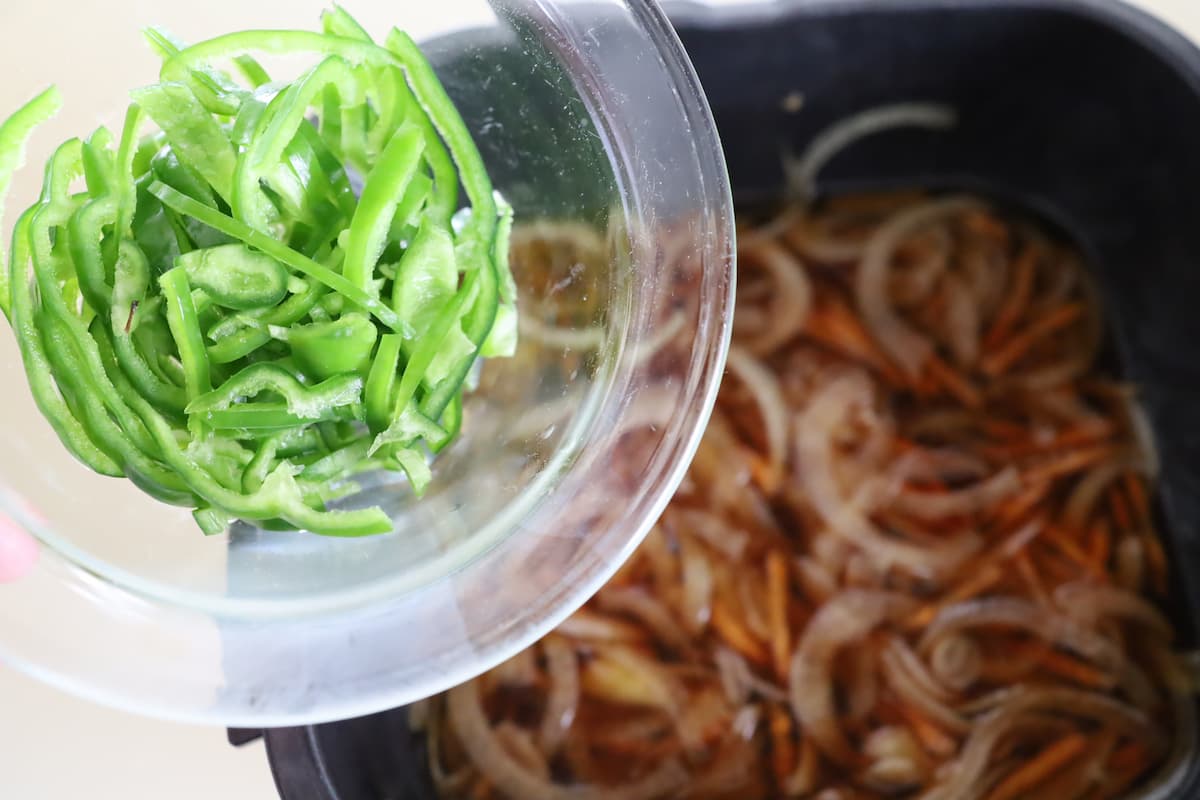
1085 113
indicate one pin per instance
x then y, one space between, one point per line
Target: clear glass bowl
592 123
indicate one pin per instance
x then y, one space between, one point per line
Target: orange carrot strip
1014 510
1030 576
833 325
1068 462
1074 436
777 613
1156 560
783 748
1129 756
986 225
1067 545
998 362
1064 666
737 635
1004 429
936 741
1136 489
761 473
955 384
1100 545
974 584
1017 299
1120 510
1049 761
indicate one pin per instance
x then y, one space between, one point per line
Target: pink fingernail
18 551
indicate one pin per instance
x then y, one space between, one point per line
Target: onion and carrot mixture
915 555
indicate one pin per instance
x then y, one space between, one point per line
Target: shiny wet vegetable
205 305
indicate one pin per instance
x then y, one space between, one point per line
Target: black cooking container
1085 113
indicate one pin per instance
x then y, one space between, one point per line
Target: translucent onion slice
909 348
562 697
791 299
1013 612
513 779
816 456
763 385
1091 602
845 620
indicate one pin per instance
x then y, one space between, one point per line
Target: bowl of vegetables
939 538
331 349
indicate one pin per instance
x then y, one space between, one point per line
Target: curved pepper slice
236 277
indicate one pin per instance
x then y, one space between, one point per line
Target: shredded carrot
737 635
1065 666
783 748
1016 300
1082 433
777 612
986 225
768 479
1074 436
997 428
1100 545
1030 576
1040 767
998 362
1129 756
1065 544
1014 510
1120 510
956 384
1137 497
936 741
1157 562
1068 462
976 583
833 325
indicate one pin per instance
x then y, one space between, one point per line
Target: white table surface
54 746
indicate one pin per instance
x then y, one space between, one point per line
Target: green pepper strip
85 237
277 250
98 168
341 463
310 402
130 283
279 496
85 358
452 421
260 466
195 135
38 370
309 145
401 51
424 353
15 133
252 71
381 195
218 94
255 419
236 277
185 327
127 189
381 383
276 129
64 351
477 326
80 366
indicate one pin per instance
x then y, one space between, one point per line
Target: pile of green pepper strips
221 317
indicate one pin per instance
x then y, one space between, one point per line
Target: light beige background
53 746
